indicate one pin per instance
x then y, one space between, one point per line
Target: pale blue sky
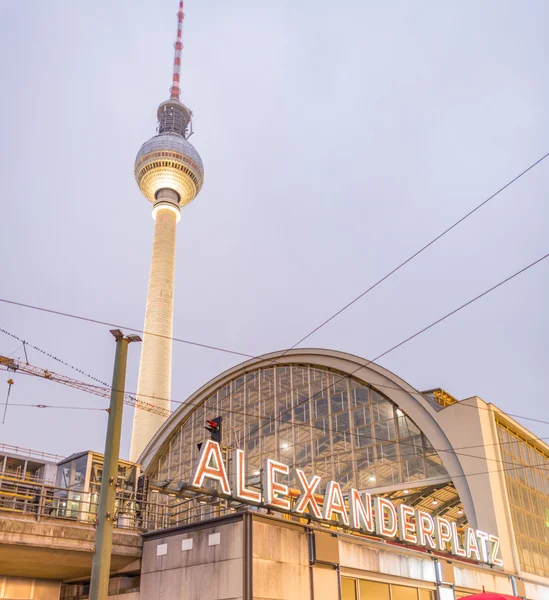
337 139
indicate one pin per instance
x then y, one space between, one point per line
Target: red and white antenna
175 90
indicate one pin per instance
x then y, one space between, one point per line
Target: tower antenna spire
175 90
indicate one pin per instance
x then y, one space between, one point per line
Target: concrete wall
359 556
57 549
280 562
208 562
200 564
21 588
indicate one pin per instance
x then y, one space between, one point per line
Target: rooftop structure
169 172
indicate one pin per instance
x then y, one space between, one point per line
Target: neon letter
425 529
443 533
271 487
308 497
385 508
406 529
483 546
334 504
471 546
456 549
238 479
211 453
494 560
361 512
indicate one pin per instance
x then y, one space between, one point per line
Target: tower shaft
170 173
155 368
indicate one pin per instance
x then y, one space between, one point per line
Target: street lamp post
99 585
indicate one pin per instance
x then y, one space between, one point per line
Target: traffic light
214 427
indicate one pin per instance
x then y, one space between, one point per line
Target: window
373 590
340 428
403 592
362 589
348 588
528 490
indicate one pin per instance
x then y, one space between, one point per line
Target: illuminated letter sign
238 480
334 504
494 560
456 549
271 487
211 466
483 547
443 533
406 530
353 510
307 499
361 512
425 529
471 546
386 517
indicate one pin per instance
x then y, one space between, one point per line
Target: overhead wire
61 407
49 355
418 252
421 331
379 356
368 290
402 264
409 259
123 327
329 430
322 391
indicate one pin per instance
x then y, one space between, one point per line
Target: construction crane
103 391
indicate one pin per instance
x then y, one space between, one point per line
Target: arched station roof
408 401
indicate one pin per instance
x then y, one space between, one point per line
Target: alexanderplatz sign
359 512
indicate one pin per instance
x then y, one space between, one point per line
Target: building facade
335 416
324 419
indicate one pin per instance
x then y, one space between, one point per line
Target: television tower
169 173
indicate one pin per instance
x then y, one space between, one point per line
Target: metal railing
28 453
41 501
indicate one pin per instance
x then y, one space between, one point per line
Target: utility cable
327 431
418 252
411 337
409 259
123 327
61 407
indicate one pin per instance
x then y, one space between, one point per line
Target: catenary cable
368 290
123 327
326 431
418 252
412 337
409 259
421 331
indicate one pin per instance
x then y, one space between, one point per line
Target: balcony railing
28 453
41 501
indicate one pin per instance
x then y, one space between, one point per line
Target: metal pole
101 566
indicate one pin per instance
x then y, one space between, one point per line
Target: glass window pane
403 592
372 590
348 588
426 594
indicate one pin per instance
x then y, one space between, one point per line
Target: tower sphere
168 160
